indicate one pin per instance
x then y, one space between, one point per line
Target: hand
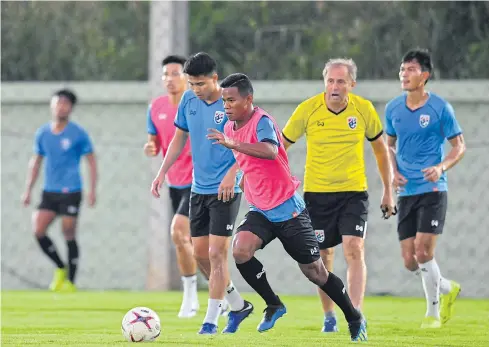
432 173
388 206
92 198
150 149
26 198
220 138
226 188
399 181
157 184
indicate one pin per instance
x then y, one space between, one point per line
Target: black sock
254 274
50 250
72 259
336 290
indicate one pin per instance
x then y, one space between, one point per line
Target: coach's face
235 105
61 107
338 84
174 80
412 76
203 86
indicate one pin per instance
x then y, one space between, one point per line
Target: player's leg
253 233
431 219
69 209
323 210
41 220
187 265
222 218
300 242
353 228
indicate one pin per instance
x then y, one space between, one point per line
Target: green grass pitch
37 318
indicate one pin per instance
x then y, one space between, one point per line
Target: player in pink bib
160 127
276 209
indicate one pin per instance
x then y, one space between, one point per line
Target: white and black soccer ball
141 324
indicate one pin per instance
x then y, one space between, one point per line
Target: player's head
416 69
340 77
237 94
201 70
62 104
174 79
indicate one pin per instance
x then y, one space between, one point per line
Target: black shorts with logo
66 204
424 213
208 215
296 234
180 200
336 214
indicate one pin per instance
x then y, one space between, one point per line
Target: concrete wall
115 236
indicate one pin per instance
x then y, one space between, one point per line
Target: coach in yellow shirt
336 124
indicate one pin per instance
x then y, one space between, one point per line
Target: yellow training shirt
335 142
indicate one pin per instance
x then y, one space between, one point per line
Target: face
411 76
61 107
338 84
203 86
174 80
235 105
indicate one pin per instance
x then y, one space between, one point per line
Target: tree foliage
265 39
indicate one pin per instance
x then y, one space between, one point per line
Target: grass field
94 319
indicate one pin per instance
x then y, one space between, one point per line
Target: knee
409 261
69 234
422 251
327 253
179 233
315 272
200 253
242 255
353 249
217 255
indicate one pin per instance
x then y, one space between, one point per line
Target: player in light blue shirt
62 144
417 124
215 198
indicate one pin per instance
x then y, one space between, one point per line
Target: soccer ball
141 324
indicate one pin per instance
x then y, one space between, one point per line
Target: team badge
218 117
65 143
319 235
352 122
424 120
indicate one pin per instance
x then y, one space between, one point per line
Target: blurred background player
335 184
215 197
276 209
417 124
161 115
63 143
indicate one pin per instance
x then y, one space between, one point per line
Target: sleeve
296 125
389 128
149 123
450 126
86 144
265 131
374 125
181 118
38 149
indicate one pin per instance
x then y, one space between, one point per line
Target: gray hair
349 63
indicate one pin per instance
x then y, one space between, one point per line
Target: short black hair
200 64
240 81
67 94
422 57
174 59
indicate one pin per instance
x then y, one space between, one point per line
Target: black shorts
66 204
424 213
208 215
336 214
296 234
180 200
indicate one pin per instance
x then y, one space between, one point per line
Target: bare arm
263 150
92 166
33 171
456 153
391 144
383 162
174 149
287 144
151 147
